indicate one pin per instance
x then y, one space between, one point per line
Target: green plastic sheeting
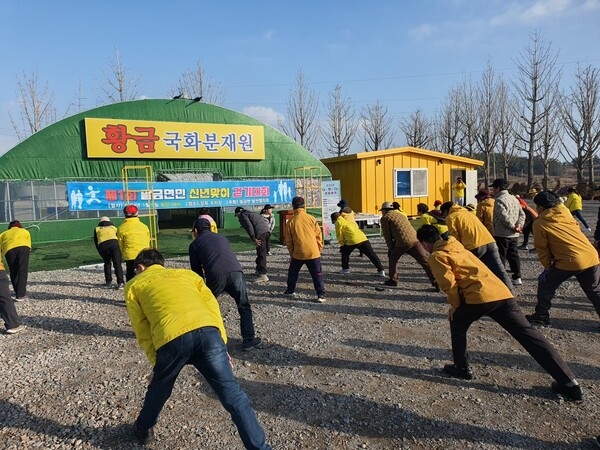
58 152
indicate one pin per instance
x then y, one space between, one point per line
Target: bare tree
118 85
467 117
418 130
77 104
580 114
36 106
447 124
376 127
506 129
551 129
536 78
486 125
303 104
341 123
195 83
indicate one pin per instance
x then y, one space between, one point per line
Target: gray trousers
8 312
490 256
551 279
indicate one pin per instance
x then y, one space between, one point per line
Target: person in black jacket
258 230
211 257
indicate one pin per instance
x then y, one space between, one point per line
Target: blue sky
406 54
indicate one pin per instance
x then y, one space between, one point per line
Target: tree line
505 122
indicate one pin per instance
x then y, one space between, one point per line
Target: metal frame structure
143 174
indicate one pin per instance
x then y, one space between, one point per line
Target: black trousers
507 247
365 248
17 260
261 254
111 254
8 312
508 314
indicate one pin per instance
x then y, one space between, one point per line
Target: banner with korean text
117 138
93 196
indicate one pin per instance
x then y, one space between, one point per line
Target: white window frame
413 173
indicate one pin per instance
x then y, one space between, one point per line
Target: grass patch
171 243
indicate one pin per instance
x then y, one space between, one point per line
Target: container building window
410 182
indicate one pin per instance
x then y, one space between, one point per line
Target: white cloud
264 114
421 32
518 13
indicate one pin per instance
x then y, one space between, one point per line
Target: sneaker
381 273
269 253
251 343
262 278
523 247
570 393
20 299
391 282
345 271
120 286
458 372
517 282
108 284
320 299
541 319
143 436
290 294
16 329
589 230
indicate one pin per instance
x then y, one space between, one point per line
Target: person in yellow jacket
459 191
107 245
177 321
8 311
575 205
473 291
485 209
426 218
133 236
304 241
475 237
351 237
564 251
16 247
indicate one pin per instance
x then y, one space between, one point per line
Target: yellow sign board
116 138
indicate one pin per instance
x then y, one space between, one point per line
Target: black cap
268 206
238 210
342 204
201 224
499 183
546 199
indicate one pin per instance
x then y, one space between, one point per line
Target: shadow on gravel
72 326
522 362
42 296
360 416
355 310
105 438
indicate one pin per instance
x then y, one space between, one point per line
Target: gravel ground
362 370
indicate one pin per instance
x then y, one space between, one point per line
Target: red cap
130 210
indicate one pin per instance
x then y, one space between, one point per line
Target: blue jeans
316 273
234 283
578 214
205 349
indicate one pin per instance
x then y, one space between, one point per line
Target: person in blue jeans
180 326
212 258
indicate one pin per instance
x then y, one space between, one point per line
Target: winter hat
546 199
130 211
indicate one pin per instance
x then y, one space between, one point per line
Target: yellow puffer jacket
467 228
304 238
348 233
574 202
428 219
560 242
166 303
107 233
13 238
462 276
134 236
485 213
